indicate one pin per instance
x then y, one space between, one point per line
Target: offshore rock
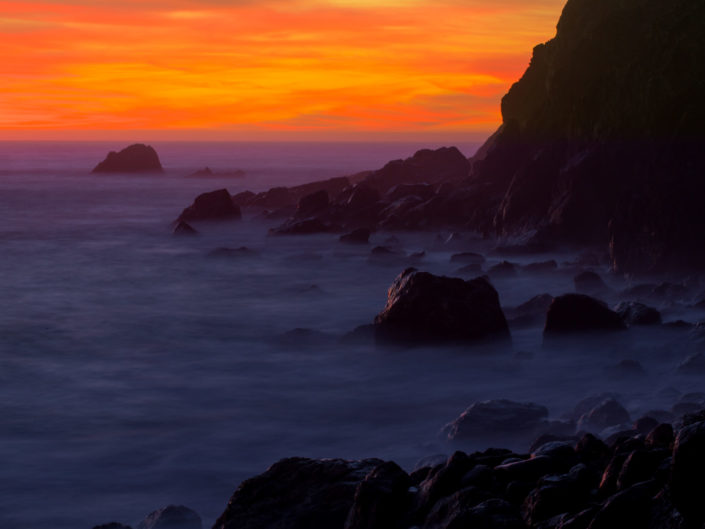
137 158
215 205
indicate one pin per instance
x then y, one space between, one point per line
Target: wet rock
660 437
423 308
532 312
592 451
688 469
312 204
575 313
451 511
640 465
645 424
467 258
566 493
297 493
443 481
215 205
628 508
607 413
182 228
172 517
634 313
490 514
358 236
382 499
137 158
590 283
492 417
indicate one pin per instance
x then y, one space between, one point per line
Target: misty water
136 371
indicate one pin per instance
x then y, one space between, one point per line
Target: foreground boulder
424 308
216 205
172 517
137 158
492 417
297 493
578 313
688 468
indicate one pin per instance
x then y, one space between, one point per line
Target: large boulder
137 158
492 417
297 493
424 308
172 517
215 205
578 313
687 471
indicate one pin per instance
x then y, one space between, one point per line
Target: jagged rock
423 308
688 468
172 517
573 313
297 493
634 313
358 236
215 205
532 312
137 158
382 500
312 204
183 228
492 417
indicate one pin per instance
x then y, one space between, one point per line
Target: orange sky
260 69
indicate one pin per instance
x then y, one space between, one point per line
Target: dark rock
688 468
532 312
172 517
358 236
216 205
312 204
422 191
573 313
541 267
644 425
567 493
451 511
303 227
490 514
492 417
470 269
660 437
182 228
592 450
137 158
112 525
590 282
426 166
693 365
206 171
467 258
423 308
640 465
628 508
634 313
686 408
550 439
384 255
692 418
607 413
297 493
382 499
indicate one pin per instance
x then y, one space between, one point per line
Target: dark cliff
602 138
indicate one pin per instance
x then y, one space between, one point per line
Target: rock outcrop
137 158
215 205
578 313
423 308
172 517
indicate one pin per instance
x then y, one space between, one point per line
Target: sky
263 69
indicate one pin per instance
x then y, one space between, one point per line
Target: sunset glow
239 69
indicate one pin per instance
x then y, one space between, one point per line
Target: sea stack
137 158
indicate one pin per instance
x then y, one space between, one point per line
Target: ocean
136 371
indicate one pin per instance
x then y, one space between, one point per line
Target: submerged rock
607 413
492 417
137 158
183 228
423 308
576 313
172 517
215 205
358 236
532 312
